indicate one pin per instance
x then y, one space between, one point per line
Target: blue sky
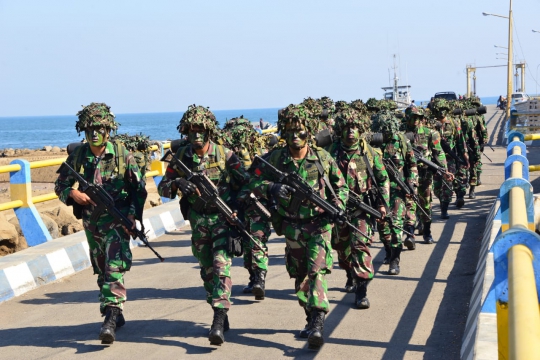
161 56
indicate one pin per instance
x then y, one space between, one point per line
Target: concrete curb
480 337
53 260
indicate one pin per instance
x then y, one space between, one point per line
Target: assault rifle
209 194
405 186
356 203
434 167
105 204
259 207
303 191
446 147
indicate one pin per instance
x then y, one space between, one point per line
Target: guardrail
517 259
22 201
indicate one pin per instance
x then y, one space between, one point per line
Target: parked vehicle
448 95
519 97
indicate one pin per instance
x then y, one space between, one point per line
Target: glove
280 190
339 218
186 187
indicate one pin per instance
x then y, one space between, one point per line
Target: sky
161 56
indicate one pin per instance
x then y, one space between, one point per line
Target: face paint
350 136
198 139
296 138
97 136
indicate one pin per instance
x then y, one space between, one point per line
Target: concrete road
419 314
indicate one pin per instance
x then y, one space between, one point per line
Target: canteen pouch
277 223
77 209
234 243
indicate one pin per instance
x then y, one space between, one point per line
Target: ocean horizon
35 132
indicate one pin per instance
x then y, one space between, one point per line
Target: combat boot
304 333
349 285
315 338
428 239
387 252
258 284
444 211
478 182
248 289
361 301
472 195
216 336
394 261
107 335
410 242
460 199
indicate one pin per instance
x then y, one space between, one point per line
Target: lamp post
509 75
536 91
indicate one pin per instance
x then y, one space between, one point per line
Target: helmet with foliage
312 105
327 104
386 122
373 104
351 117
239 133
96 114
341 105
198 116
134 142
359 105
475 100
297 114
387 104
440 104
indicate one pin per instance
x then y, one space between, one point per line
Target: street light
509 74
537 79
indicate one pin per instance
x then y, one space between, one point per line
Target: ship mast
395 92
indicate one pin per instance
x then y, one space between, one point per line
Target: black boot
349 285
460 199
304 333
249 287
107 335
216 331
420 228
472 195
428 239
444 210
315 338
387 252
478 182
258 284
361 301
410 242
394 261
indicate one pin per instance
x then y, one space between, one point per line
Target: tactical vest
215 171
119 160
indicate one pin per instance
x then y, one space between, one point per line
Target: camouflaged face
95 114
134 142
351 116
239 133
297 114
198 115
385 122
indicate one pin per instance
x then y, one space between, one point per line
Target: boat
401 94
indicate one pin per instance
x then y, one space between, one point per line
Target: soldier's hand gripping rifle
303 191
357 200
209 194
446 148
105 204
405 186
434 167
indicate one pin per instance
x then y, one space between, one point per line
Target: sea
35 132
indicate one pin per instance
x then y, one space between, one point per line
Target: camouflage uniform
210 229
308 251
108 242
428 142
480 129
240 136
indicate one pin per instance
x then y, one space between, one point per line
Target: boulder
51 225
47 148
152 200
67 223
9 239
9 152
56 149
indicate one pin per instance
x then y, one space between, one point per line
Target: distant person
430 104
500 102
412 104
103 162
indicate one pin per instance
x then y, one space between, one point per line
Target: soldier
352 154
210 230
480 130
108 164
246 142
427 142
398 150
308 251
453 142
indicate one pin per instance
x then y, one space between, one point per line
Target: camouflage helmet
351 116
359 105
475 101
341 105
312 105
386 122
198 115
387 104
373 104
440 104
327 103
297 114
134 142
95 114
239 133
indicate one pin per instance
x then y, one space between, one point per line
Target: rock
67 223
47 148
9 239
56 149
63 149
18 151
9 152
152 200
51 225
